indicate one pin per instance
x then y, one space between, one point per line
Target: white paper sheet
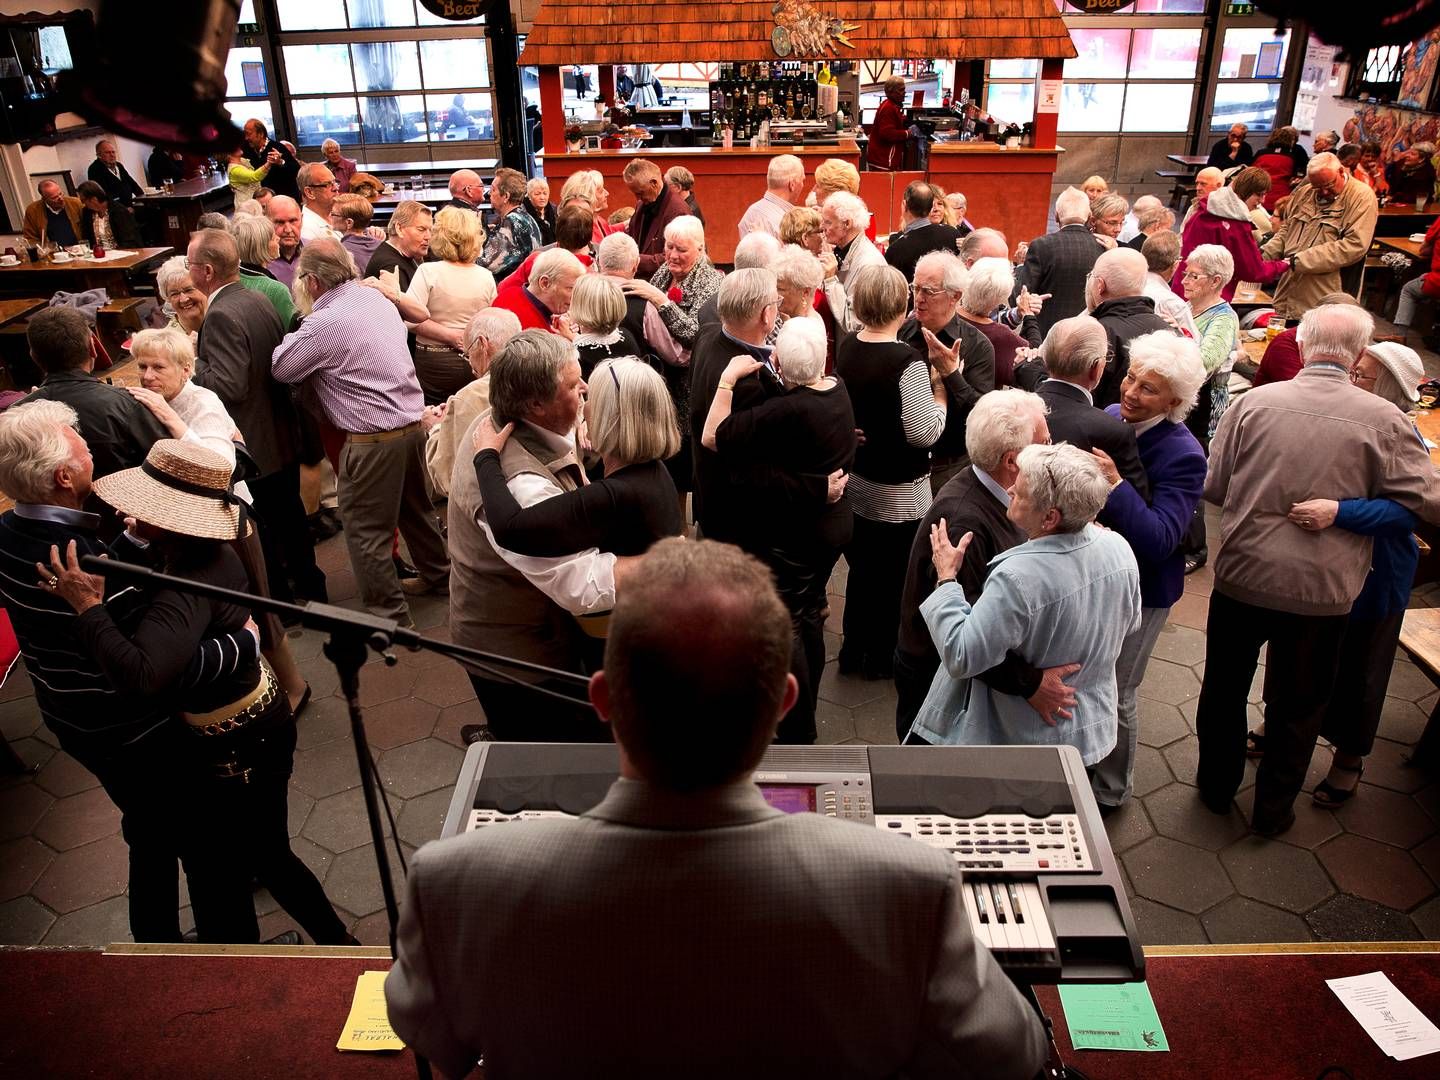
1387 1015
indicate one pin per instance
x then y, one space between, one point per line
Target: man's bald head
696 665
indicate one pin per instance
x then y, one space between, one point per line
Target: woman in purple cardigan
1161 386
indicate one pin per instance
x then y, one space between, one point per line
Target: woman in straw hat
1392 371
180 502
188 411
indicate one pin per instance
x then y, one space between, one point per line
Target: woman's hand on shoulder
65 579
738 368
487 438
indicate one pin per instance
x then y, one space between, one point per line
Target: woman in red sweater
1224 219
889 134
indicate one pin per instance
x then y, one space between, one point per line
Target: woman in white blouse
452 290
166 360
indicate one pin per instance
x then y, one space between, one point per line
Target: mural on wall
1394 129
1419 78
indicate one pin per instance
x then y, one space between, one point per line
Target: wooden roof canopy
640 31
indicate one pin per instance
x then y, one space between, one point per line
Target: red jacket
888 136
521 274
1223 219
1431 284
515 297
1281 361
647 228
1281 167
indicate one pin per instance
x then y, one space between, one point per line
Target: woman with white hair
989 287
195 414
587 187
1069 595
187 303
1208 269
1391 371
451 290
486 334
540 208
810 429
798 275
1157 392
688 279
633 428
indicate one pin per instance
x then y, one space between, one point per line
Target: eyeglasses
1356 377
930 290
331 184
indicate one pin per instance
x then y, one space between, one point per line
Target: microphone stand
352 634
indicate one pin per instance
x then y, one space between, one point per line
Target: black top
872 371
122 224
624 513
1074 420
282 178
725 490
906 249
977 377
162 167
544 221
90 715
1124 318
117 428
388 257
1220 155
58 229
590 354
967 505
805 431
120 189
151 659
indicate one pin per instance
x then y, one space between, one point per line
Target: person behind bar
615 890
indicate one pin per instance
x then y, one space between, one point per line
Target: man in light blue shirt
1069 594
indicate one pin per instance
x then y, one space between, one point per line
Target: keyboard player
683 926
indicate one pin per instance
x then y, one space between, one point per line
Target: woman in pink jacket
1224 219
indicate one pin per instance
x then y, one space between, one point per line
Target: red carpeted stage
1243 1012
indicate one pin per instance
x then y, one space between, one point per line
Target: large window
372 74
1252 65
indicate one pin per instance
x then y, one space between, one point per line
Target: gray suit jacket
696 936
240 332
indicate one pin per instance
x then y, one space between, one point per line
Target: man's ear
599 693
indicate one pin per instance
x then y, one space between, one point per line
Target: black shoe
404 571
1268 828
1195 562
1216 804
322 527
1108 809
875 670
850 663
473 733
289 937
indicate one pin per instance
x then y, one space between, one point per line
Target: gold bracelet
727 386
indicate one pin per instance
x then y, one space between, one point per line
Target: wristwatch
1291 260
945 581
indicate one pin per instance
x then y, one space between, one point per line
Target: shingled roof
639 31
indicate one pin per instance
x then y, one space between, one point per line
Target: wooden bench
1420 638
1182 185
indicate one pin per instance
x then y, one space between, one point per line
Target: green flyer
1112 1016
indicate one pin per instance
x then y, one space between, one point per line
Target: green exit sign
1239 7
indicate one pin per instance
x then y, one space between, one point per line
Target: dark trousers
878 554
1366 657
802 575
518 713
913 676
807 664
1304 652
141 782
1197 421
442 372
285 536
246 837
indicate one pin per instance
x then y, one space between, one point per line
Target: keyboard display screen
791 798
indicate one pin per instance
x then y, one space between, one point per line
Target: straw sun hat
181 488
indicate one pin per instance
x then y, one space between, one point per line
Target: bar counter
1007 189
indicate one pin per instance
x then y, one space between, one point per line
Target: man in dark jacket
283 167
656 205
975 501
1058 262
1232 150
101 212
239 335
117 428
1115 296
918 234
109 172
1074 354
939 284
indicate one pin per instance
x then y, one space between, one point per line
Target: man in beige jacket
1329 226
1281 580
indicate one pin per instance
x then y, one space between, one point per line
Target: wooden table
10 310
1401 219
1252 296
1401 243
174 215
1190 161
112 275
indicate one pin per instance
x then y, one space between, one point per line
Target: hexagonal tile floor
1371 870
